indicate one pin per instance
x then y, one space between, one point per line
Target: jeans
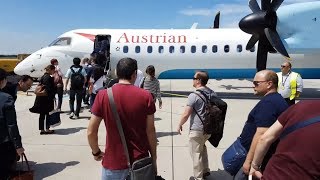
92 98
60 96
108 174
85 96
75 94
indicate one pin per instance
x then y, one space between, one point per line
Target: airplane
178 53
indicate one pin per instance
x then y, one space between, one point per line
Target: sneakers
71 115
76 117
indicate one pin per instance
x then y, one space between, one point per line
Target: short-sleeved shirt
98 84
76 69
139 78
133 106
297 155
197 104
264 114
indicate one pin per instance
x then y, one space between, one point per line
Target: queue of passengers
263 149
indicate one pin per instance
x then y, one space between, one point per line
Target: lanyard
285 79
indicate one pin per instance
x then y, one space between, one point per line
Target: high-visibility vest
293 83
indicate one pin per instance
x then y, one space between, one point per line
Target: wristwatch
97 153
255 166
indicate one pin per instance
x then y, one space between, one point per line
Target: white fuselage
177 53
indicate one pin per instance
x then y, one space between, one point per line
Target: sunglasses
195 78
257 83
283 66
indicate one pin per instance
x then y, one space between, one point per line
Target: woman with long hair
152 84
44 104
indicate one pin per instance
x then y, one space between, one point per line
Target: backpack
77 79
57 79
214 117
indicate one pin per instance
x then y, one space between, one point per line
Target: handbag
54 117
40 90
234 157
22 174
141 169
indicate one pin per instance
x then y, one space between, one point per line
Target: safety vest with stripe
293 83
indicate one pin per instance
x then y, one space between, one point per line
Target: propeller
262 25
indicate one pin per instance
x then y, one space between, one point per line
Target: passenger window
125 49
171 49
182 49
137 49
239 48
253 49
149 49
193 49
226 48
214 48
161 49
64 41
204 49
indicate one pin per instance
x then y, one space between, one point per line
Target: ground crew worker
290 83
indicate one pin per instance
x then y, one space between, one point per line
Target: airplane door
101 51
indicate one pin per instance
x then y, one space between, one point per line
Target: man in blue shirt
261 117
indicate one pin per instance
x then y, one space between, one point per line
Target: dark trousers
73 95
92 98
43 121
240 175
85 96
290 102
60 96
7 159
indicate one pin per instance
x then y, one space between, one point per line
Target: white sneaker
71 115
58 110
76 117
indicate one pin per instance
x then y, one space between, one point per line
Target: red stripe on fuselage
89 36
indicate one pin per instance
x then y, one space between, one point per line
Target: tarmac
67 155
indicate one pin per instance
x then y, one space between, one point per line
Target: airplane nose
24 67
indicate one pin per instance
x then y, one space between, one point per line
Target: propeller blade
262 53
216 21
252 41
276 42
254 6
265 5
276 4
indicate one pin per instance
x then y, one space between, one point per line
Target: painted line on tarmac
172 94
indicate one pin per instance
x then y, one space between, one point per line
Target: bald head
268 75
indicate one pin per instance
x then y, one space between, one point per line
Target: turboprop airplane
178 53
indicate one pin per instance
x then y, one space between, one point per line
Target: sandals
47 132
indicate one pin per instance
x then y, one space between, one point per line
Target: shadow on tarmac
219 174
161 134
44 170
68 131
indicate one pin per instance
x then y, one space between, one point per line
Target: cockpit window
64 41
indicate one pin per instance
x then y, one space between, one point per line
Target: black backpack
214 117
77 79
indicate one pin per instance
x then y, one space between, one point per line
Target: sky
28 25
